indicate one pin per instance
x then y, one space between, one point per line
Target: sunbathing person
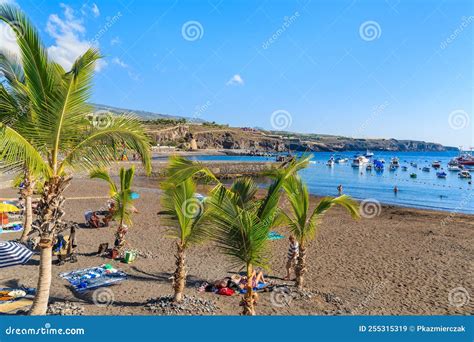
94 220
256 279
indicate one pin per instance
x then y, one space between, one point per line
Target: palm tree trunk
300 268
40 304
49 221
248 302
28 218
179 276
27 195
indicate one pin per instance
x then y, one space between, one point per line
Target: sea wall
222 170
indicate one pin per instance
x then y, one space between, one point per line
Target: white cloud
93 9
68 33
115 41
235 80
119 62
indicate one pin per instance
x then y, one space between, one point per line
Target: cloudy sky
394 68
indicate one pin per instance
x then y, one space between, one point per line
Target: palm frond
184 214
105 176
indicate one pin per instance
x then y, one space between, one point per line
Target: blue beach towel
258 287
93 277
274 236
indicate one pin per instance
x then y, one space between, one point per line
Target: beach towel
93 277
274 236
12 299
260 286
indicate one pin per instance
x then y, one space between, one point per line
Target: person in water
395 190
339 189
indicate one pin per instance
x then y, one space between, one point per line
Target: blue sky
395 68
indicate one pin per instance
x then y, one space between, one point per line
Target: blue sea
426 191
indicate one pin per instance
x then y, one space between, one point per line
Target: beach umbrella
13 253
8 208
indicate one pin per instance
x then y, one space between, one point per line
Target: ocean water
426 191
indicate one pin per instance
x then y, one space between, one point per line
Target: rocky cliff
231 138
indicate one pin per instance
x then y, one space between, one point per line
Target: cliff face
254 140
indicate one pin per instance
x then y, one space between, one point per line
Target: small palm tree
239 222
303 224
184 215
122 199
58 139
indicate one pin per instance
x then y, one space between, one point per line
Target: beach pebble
190 305
65 309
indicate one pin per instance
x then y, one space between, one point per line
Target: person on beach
339 189
293 253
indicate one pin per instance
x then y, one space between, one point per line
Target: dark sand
402 262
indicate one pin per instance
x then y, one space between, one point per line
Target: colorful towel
10 304
94 277
260 286
274 236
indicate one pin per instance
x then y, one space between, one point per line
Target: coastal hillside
191 134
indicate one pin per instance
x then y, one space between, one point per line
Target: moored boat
441 174
464 174
395 162
359 161
413 175
426 169
404 168
436 164
454 167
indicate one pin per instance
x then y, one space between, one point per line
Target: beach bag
225 291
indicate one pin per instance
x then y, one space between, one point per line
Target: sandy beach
401 262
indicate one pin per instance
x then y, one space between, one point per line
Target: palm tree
240 222
122 199
14 102
302 223
57 139
184 215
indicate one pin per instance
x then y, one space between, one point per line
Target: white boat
455 168
395 163
341 160
368 154
436 164
359 161
464 174
330 162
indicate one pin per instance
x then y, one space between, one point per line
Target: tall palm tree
57 139
14 102
302 223
184 215
122 199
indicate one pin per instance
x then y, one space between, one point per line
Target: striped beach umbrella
13 253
